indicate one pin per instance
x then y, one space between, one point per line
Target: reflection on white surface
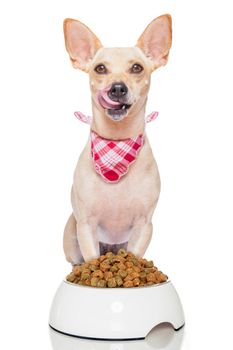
161 337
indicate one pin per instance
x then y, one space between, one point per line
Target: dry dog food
112 271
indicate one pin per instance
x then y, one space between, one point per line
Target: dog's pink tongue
105 101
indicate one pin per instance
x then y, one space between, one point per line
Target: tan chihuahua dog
108 216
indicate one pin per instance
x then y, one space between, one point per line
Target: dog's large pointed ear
156 40
80 42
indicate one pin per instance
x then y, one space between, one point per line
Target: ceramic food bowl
114 313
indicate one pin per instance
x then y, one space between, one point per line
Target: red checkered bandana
112 158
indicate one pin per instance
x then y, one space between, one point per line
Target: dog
113 202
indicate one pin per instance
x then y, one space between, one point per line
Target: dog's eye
136 68
101 69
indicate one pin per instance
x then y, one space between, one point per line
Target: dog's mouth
119 112
116 110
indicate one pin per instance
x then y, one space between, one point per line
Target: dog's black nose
117 91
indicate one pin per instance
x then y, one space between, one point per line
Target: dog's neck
130 126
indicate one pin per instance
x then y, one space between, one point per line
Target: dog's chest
116 214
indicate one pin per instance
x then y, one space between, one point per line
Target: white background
40 141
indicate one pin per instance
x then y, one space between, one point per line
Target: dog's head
119 77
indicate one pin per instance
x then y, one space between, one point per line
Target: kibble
151 277
114 268
128 284
101 283
98 273
123 270
122 273
122 253
108 275
93 267
94 281
136 282
119 280
112 282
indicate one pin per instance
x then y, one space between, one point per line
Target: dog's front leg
87 239
140 237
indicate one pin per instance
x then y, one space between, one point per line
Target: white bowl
114 313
